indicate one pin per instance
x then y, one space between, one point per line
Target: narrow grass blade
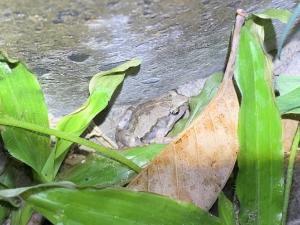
3 214
22 215
10 122
260 181
226 210
12 196
289 178
104 172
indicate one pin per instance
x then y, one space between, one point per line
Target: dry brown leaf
197 164
289 128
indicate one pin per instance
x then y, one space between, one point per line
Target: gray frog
150 122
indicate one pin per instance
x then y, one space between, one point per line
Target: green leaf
22 99
226 211
286 83
101 88
199 102
7 177
100 171
289 89
22 215
289 103
11 122
260 180
291 22
12 196
115 207
280 14
3 214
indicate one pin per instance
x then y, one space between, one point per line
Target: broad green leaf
290 24
280 14
22 99
100 171
115 207
260 180
226 210
198 103
101 88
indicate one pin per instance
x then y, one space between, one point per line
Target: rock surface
65 42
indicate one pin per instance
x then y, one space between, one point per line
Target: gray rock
66 42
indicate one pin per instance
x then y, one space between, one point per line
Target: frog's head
177 101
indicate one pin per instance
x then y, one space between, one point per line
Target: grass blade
288 183
260 179
226 210
104 172
292 21
21 216
10 122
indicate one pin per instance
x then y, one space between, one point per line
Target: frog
150 122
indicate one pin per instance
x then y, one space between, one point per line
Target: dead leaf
197 164
289 128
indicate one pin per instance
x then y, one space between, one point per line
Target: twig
289 178
239 21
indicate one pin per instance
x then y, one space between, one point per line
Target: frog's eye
175 111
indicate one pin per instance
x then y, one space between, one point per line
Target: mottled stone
65 42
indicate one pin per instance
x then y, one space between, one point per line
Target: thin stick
239 21
289 178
